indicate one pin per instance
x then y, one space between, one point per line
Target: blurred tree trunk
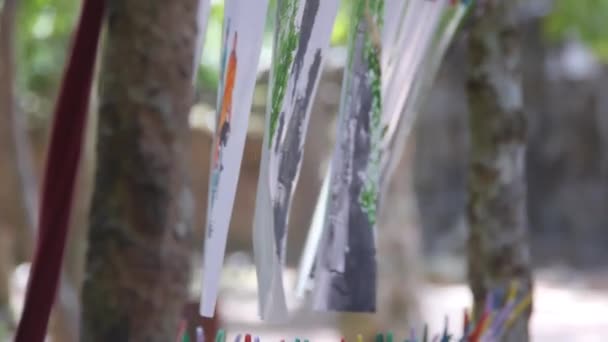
498 242
138 260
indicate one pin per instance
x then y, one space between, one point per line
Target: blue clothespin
446 337
200 334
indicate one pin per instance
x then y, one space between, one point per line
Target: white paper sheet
301 40
243 33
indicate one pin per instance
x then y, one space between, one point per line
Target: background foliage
586 20
44 28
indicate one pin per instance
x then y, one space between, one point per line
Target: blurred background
565 85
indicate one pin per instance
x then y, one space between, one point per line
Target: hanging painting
301 40
242 42
415 36
346 263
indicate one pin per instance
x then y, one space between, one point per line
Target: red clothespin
247 338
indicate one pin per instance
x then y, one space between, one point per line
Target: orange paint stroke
223 127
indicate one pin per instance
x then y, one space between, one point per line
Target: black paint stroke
354 288
292 151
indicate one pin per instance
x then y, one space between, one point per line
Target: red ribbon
63 157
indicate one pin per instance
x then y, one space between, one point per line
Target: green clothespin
186 337
389 336
379 337
220 336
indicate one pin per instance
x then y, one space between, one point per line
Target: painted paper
404 23
313 239
302 37
242 41
346 263
438 26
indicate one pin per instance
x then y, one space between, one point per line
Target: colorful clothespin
359 338
413 337
237 338
181 330
220 336
379 337
389 336
476 333
425 333
200 334
247 338
465 328
445 337
519 309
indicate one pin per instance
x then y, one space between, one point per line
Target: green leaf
585 19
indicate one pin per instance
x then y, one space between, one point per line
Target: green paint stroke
287 41
369 195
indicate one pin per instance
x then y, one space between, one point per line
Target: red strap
62 161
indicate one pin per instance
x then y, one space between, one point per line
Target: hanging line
60 175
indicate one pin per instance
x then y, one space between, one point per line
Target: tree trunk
498 241
138 259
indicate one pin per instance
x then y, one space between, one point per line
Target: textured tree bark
138 259
498 241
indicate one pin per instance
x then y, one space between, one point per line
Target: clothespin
476 334
181 330
297 339
446 337
425 333
186 337
237 338
512 291
359 338
389 336
379 337
506 310
519 309
465 328
220 336
257 339
413 335
247 338
200 335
